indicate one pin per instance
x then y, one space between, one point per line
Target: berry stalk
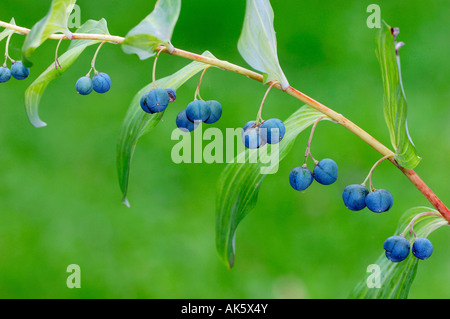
225 65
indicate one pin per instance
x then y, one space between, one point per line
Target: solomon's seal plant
258 46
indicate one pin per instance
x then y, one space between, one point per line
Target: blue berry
300 178
248 125
184 124
172 95
157 100
101 82
19 72
397 248
354 197
216 112
252 138
379 201
422 248
198 111
326 172
273 130
5 74
84 85
143 103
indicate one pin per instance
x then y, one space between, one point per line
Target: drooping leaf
397 278
7 32
54 22
258 43
156 29
34 92
239 183
137 123
395 105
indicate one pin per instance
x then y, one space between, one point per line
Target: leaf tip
126 202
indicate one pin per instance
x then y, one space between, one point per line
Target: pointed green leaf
7 32
239 184
137 123
54 22
258 43
156 29
397 278
34 92
395 105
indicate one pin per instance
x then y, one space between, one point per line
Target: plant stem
7 50
259 116
308 147
56 56
94 59
197 91
369 176
338 118
154 69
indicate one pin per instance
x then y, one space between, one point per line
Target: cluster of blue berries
356 197
325 172
208 112
255 135
157 100
100 83
18 71
397 248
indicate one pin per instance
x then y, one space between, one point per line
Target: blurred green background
60 200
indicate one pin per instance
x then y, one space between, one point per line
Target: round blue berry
422 248
84 85
101 82
216 112
5 74
379 201
19 71
326 172
198 111
157 100
300 178
184 124
143 103
273 130
397 248
354 197
252 138
247 126
172 95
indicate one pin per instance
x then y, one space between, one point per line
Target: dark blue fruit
354 197
143 103
101 82
157 100
84 85
216 112
183 122
379 201
422 248
247 126
326 172
19 72
198 111
5 74
397 248
252 138
172 95
300 178
273 130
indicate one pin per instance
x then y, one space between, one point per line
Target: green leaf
137 123
397 278
156 29
54 22
7 32
34 92
258 43
395 105
239 183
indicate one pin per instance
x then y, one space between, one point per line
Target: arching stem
308 147
259 116
197 91
369 177
7 51
154 68
57 64
94 59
